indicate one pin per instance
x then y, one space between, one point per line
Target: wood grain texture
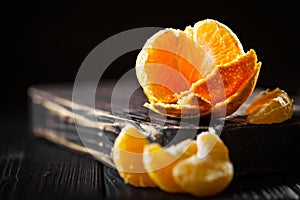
257 186
253 148
10 165
39 170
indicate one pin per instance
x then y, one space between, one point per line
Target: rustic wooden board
33 168
253 148
284 185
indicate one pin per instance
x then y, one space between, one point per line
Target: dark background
46 42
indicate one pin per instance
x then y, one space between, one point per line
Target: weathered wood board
253 148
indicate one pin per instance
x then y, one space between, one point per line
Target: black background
46 42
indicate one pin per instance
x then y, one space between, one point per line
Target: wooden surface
34 168
253 148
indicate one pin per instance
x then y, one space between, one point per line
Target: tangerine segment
226 79
160 161
273 107
209 145
173 60
189 31
218 40
209 171
128 157
203 177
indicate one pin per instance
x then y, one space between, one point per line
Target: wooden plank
37 169
116 188
283 185
253 148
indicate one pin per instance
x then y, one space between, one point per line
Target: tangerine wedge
127 155
208 172
195 72
160 161
273 107
218 40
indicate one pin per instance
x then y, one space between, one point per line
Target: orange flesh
218 41
159 162
178 63
170 72
201 167
274 107
127 156
262 100
209 171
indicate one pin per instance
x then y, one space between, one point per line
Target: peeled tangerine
195 72
273 107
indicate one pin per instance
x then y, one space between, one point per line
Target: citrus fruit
159 162
127 155
195 72
209 171
273 107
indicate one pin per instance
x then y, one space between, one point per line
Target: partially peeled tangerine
195 72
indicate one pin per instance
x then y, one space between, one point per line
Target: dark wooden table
32 167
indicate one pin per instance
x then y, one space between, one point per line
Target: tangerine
197 71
